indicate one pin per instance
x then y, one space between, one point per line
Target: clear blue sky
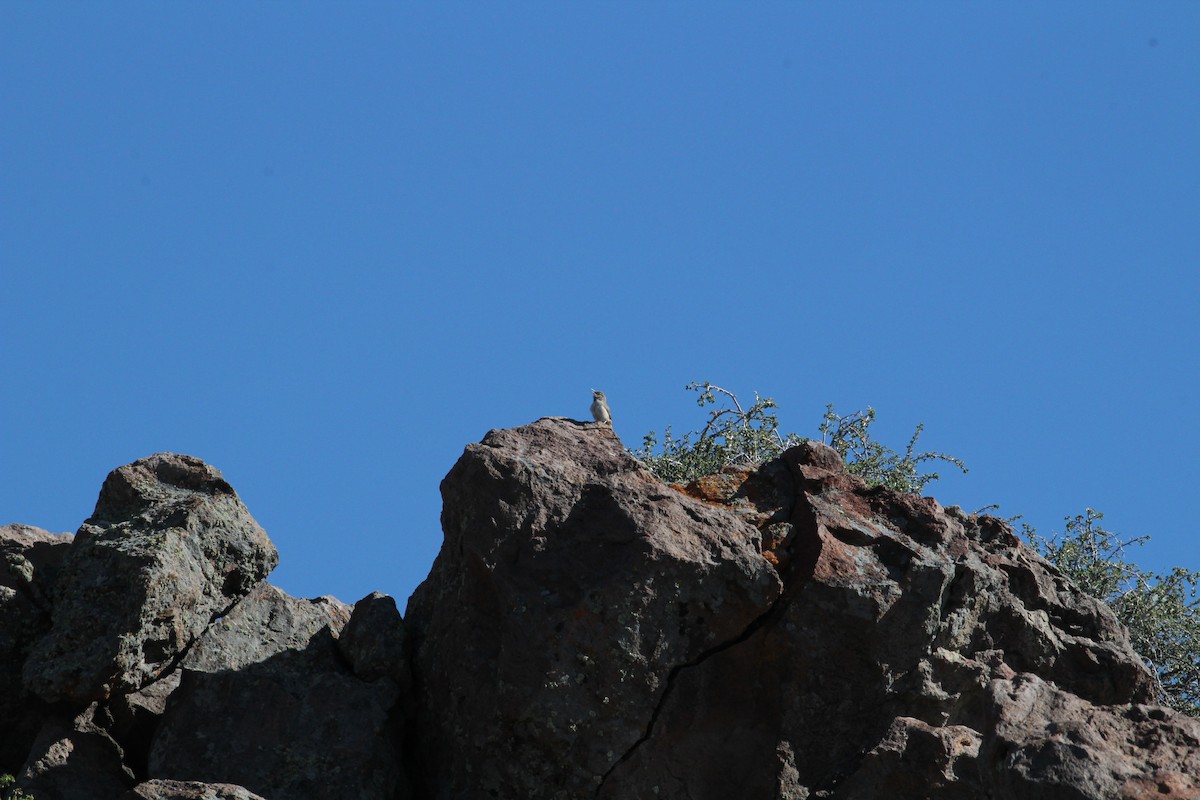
325 246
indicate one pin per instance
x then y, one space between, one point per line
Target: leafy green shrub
874 462
738 436
1162 612
734 436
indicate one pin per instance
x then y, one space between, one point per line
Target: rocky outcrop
897 618
585 632
785 632
147 658
168 547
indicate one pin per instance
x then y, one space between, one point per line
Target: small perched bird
600 411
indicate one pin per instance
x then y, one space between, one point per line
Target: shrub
733 436
738 436
874 462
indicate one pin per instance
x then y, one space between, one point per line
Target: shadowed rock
169 547
265 701
375 643
74 758
29 558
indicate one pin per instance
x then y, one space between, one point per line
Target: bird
600 411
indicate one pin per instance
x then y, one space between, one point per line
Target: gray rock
586 632
29 558
895 619
188 790
135 718
267 623
266 702
1042 743
169 546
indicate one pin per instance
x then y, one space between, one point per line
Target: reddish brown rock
847 644
895 618
571 585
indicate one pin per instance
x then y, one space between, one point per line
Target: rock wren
600 411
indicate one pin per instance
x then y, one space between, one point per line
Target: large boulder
169 547
571 588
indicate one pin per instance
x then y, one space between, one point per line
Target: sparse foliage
733 436
1162 612
739 436
873 461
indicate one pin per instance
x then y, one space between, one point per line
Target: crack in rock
751 628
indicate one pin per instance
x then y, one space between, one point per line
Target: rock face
29 558
896 619
780 633
169 546
586 632
75 758
294 722
147 658
571 585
